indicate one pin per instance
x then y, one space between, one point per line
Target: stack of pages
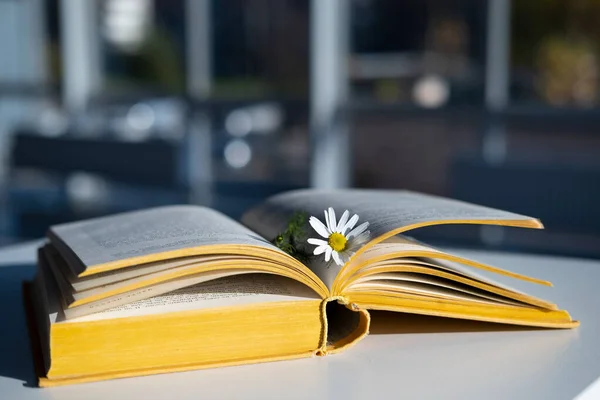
184 287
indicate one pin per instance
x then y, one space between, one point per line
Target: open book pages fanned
184 287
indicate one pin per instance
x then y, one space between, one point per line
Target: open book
184 287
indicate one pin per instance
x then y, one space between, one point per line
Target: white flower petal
362 238
332 221
317 242
358 230
336 258
345 256
354 247
320 250
319 227
328 252
342 221
350 224
328 222
357 242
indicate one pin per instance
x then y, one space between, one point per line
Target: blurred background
115 105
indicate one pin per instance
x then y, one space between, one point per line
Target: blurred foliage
157 63
533 21
568 71
559 41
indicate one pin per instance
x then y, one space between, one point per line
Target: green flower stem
292 239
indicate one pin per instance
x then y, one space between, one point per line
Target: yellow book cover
184 287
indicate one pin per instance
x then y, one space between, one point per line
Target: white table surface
446 363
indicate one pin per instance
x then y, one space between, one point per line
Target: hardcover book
177 288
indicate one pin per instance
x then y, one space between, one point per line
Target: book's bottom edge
43 381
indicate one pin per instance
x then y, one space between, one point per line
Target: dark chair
139 175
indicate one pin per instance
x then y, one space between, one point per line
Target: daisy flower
340 239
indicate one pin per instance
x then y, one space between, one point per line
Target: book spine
344 325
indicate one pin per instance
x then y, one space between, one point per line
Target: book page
429 291
90 282
398 253
385 211
224 292
396 280
396 248
163 276
146 292
140 233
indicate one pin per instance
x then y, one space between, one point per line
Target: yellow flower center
337 241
